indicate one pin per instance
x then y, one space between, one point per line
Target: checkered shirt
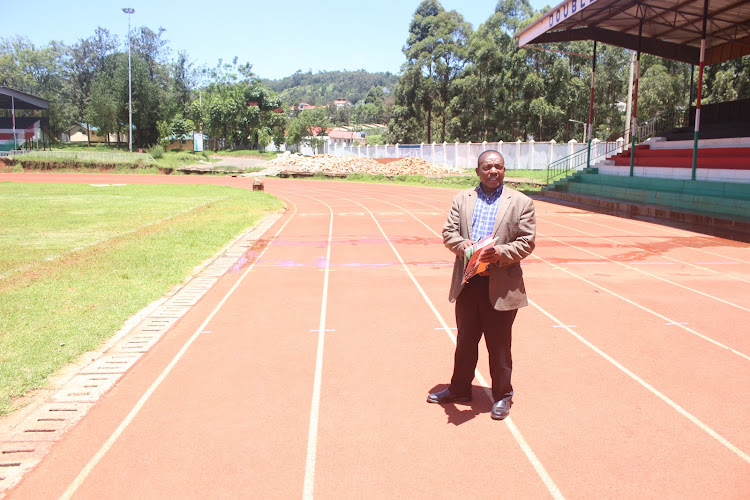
485 212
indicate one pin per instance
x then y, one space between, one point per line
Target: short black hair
487 153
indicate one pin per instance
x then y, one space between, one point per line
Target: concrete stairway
718 205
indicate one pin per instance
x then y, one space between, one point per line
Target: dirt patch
343 165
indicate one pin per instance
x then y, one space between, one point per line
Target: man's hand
467 244
490 255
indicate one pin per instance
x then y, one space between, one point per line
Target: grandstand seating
662 185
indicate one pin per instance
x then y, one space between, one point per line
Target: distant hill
326 86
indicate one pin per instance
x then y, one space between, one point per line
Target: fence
83 155
518 155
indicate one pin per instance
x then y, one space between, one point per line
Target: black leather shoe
501 409
447 396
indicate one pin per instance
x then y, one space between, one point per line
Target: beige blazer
515 226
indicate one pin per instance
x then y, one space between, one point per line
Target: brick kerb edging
27 435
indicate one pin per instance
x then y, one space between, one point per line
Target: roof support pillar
634 124
13 120
700 89
591 108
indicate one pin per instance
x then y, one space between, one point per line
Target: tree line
87 83
460 84
456 84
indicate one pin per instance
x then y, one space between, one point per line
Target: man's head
491 170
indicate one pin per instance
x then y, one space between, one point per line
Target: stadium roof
671 28
22 100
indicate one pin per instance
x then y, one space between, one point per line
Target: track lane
598 445
661 482
659 300
220 418
687 249
365 360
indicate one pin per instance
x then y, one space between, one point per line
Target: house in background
341 135
195 142
340 103
182 144
79 132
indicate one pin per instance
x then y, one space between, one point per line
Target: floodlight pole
634 125
128 11
591 108
694 167
584 127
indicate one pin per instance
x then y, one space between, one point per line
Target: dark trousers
475 316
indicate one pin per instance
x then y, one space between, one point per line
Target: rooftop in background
671 28
20 100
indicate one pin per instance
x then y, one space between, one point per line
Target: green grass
453 181
533 175
79 260
168 163
95 146
248 153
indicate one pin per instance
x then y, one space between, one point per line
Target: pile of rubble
342 165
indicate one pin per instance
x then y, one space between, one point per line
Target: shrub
157 151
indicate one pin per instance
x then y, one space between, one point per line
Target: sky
277 38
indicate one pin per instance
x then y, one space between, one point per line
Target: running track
305 372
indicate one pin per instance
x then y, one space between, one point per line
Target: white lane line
661 316
665 318
668 320
653 390
78 481
312 434
732 304
697 265
530 455
744 456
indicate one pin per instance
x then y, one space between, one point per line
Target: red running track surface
305 371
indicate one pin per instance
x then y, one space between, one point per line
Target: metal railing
91 156
580 159
616 143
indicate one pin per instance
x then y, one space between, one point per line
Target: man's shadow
458 413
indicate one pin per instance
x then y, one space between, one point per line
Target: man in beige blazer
487 303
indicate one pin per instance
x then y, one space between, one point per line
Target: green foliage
324 87
181 127
479 86
436 52
308 127
165 131
455 84
125 248
157 151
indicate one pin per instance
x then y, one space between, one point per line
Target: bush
156 151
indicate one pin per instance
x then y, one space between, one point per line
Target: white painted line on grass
744 456
78 481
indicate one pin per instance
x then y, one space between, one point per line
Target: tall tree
435 53
85 60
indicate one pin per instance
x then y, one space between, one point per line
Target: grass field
453 181
78 260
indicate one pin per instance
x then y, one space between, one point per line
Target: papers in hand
472 265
